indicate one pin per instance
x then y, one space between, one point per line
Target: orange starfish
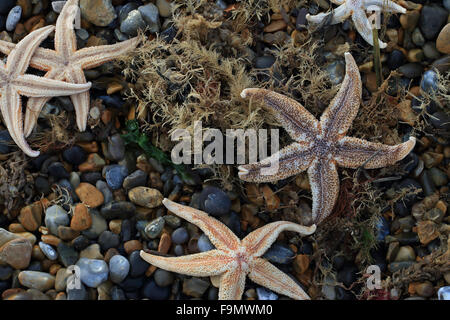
321 146
67 63
232 259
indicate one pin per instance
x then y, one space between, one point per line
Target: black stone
108 240
118 210
138 266
80 243
74 155
214 201
57 170
152 291
91 177
42 185
130 284
396 59
6 6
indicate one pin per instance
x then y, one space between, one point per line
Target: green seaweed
138 139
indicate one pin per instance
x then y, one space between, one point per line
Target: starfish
322 145
14 82
233 258
356 9
67 63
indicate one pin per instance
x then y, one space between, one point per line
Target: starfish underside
14 82
357 10
67 63
321 146
233 259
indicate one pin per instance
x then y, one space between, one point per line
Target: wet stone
429 81
98 226
119 268
108 240
136 179
115 174
163 278
57 170
133 22
92 252
67 254
214 201
13 18
118 210
180 236
56 216
154 228
98 12
146 197
77 294
116 147
152 291
36 280
432 19
279 253
138 266
104 189
74 155
48 250
265 294
150 14
16 253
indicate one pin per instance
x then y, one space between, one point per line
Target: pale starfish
232 259
357 10
67 63
321 146
14 82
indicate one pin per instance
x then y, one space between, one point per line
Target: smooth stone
6 236
152 291
204 244
115 174
405 253
74 155
439 177
118 210
214 201
80 243
67 254
430 51
104 189
163 278
133 22
36 280
336 71
154 228
77 293
89 195
92 252
444 293
117 293
119 267
150 14
48 250
74 180
108 240
195 287
16 253
443 40
57 170
99 225
116 147
172 221
61 279
56 216
93 272
5 272
138 266
429 81
395 59
137 179
98 12
164 8
13 18
432 19
5 140
264 62
411 70
279 253
6 6
146 197
131 284
265 294
417 37
180 236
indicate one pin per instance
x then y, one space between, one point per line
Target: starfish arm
289 161
11 109
65 40
385 5
209 263
43 59
232 284
267 275
338 2
296 120
19 58
353 152
324 181
81 101
33 86
364 28
261 239
339 115
6 47
218 233
35 105
92 57
339 14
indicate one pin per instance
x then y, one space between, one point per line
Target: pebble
74 180
116 147
150 14
48 250
443 40
279 253
204 244
424 289
36 280
138 266
98 226
214 201
405 253
429 81
430 51
265 294
115 174
180 236
195 287
417 37
117 293
74 155
77 293
57 170
152 291
61 279
92 252
137 179
119 268
93 272
154 228
444 293
108 240
133 22
98 12
432 19
6 6
89 195
56 216
164 8
163 278
67 254
31 216
16 253
395 59
264 62
146 197
336 71
13 18
411 70
104 189
118 210
81 219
